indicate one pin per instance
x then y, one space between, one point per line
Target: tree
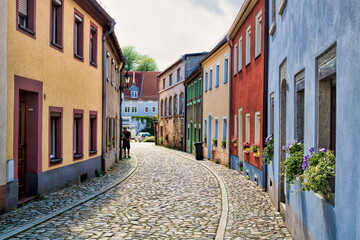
132 58
138 62
146 64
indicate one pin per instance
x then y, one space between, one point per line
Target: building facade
248 54
54 98
171 129
216 99
111 140
193 85
313 91
140 102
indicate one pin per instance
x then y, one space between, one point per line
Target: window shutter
23 7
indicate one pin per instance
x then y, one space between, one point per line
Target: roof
194 73
183 57
147 84
94 9
217 47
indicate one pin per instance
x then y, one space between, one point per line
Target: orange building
54 78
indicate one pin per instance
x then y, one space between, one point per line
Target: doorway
191 136
22 145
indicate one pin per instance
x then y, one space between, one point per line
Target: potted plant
292 165
215 142
235 141
246 146
319 172
268 151
223 143
256 150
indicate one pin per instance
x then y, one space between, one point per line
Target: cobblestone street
169 196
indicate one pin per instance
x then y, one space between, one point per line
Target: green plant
150 139
68 184
160 141
318 167
291 166
99 173
234 140
255 148
40 197
268 151
215 142
223 143
110 142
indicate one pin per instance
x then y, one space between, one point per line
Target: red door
22 146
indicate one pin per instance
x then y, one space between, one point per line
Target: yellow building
216 98
54 71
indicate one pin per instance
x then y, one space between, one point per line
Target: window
26 16
146 109
217 77
226 69
189 93
300 105
170 106
210 79
166 108
127 109
111 129
112 67
240 54
56 23
200 87
258 34
134 109
162 108
272 113
170 80
78 134
200 133
247 127
55 134
206 81
257 128
235 125
216 127
224 136
248 44
93 44
181 106
178 75
79 35
176 105
108 65
205 127
153 109
235 59
163 83
93 133
134 94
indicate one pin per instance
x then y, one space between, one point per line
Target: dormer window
134 94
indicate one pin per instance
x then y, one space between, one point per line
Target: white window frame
206 82
132 109
240 54
210 78
258 33
146 110
153 109
217 74
226 69
235 126
235 53
247 127
216 128
128 109
134 94
248 45
257 124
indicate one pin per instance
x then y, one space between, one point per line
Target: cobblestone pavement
251 213
48 204
168 197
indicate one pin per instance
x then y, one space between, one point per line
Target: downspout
185 117
265 106
103 143
230 96
120 112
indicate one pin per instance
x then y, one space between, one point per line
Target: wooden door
22 145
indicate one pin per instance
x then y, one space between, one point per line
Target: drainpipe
265 106
230 105
120 112
185 117
103 143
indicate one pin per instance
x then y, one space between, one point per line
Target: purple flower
305 163
312 150
268 139
322 150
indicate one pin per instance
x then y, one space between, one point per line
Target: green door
191 136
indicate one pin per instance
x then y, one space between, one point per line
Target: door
191 137
209 139
22 145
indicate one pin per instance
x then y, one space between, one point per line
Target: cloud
210 5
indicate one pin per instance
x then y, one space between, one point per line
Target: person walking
126 142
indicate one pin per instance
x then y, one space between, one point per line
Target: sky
167 29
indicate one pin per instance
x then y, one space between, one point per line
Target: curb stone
71 206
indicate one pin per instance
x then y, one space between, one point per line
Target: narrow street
169 196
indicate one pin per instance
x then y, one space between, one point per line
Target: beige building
216 96
172 100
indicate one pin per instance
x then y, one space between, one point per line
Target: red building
248 49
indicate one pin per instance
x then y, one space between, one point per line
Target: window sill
92 152
247 64
26 30
78 57
55 160
78 156
257 56
93 64
54 44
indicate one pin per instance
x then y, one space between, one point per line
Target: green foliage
68 184
99 173
137 62
268 151
292 166
321 165
149 121
149 139
160 141
255 148
215 142
146 64
40 197
223 144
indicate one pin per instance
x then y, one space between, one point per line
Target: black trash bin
198 151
